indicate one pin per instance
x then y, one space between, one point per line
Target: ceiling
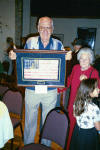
66 8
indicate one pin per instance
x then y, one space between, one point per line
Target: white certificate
40 89
41 69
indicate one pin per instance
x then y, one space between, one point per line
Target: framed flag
41 67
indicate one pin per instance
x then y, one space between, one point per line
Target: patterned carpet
17 143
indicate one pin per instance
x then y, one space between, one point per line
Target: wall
68 27
18 21
26 17
7 23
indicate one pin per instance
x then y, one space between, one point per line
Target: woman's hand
82 77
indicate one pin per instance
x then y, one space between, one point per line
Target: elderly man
32 99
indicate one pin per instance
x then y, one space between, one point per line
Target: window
88 35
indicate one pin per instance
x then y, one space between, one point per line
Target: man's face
77 47
45 28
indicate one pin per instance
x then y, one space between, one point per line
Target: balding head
45 19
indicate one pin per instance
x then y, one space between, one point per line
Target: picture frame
40 67
88 35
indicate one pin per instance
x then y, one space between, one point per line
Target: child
85 135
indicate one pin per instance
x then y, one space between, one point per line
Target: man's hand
12 55
68 55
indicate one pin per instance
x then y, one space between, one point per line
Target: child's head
87 90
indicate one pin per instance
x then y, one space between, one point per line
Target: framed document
40 67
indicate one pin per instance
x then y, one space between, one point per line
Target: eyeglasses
84 59
45 28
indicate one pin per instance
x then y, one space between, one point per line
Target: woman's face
84 61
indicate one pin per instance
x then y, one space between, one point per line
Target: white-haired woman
79 72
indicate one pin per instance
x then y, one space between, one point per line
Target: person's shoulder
32 38
94 69
3 108
93 106
56 40
76 66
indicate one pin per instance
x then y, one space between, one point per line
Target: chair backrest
3 89
14 101
56 127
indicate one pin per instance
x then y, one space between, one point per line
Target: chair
55 129
3 89
14 102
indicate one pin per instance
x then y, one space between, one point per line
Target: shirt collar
41 44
